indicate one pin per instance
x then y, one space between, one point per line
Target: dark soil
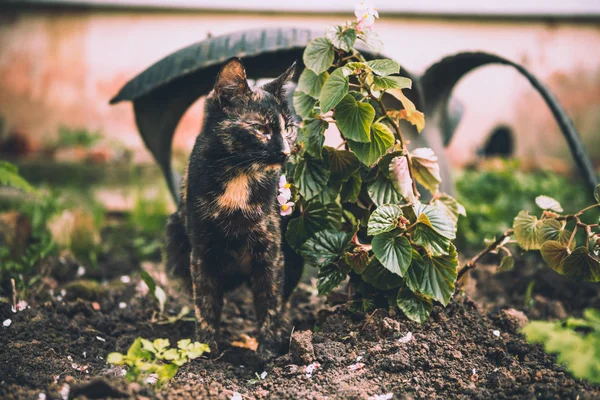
470 349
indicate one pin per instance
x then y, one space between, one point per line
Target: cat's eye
261 130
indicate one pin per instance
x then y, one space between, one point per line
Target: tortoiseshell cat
227 230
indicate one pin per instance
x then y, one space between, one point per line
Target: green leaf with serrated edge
391 82
115 358
434 276
552 229
312 135
384 219
329 278
135 349
311 176
334 90
318 55
381 278
438 220
342 163
381 139
527 230
581 265
507 264
554 253
415 306
342 38
384 67
426 169
303 104
354 119
358 260
314 217
311 83
449 206
351 188
424 235
330 193
382 191
393 251
548 203
597 194
325 247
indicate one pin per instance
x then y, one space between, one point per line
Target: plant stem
571 239
491 247
586 209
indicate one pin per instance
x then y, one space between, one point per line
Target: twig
491 247
14 293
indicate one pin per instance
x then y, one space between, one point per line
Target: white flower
285 206
365 16
284 188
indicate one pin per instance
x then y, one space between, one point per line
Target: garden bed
58 346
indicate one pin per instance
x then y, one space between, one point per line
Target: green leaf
384 219
507 264
554 253
391 82
438 220
379 277
161 344
343 38
548 203
311 83
115 358
384 67
334 90
342 163
351 188
581 265
329 278
156 291
303 104
400 176
449 206
315 217
9 176
552 229
318 55
393 251
434 276
312 135
325 247
426 236
381 139
597 194
311 176
527 230
135 350
415 306
382 191
331 192
354 119
426 169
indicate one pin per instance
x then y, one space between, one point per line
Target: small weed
146 358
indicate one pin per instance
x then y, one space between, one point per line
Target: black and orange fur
227 230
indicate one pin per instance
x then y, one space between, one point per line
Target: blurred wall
61 66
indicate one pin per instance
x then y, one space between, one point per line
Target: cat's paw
208 336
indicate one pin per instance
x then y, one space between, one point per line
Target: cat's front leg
266 288
208 301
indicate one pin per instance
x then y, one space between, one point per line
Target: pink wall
61 68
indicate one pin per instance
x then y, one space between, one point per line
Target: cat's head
254 123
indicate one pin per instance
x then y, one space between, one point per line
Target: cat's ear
231 80
277 86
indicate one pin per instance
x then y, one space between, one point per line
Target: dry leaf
246 342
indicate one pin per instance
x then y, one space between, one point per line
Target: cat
228 229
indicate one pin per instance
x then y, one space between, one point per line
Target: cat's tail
178 250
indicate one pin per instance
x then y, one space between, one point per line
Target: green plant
158 294
494 197
146 357
358 210
575 341
150 212
69 137
555 235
